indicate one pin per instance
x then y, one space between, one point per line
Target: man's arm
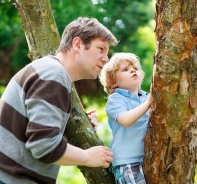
97 156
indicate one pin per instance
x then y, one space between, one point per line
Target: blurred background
131 21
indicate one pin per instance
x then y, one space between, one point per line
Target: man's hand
93 116
98 156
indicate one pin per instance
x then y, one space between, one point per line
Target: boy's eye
135 68
125 69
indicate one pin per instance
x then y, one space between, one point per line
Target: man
35 107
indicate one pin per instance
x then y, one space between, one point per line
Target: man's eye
101 49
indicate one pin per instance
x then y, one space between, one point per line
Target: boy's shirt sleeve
116 105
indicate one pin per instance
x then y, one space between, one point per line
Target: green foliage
70 175
12 38
103 131
146 52
124 18
2 88
195 179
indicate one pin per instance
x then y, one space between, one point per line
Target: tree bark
81 133
170 142
43 39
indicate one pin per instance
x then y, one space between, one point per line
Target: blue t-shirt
127 142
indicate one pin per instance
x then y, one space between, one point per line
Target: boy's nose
133 70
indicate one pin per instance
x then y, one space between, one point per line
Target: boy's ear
115 85
112 84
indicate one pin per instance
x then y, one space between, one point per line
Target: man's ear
76 44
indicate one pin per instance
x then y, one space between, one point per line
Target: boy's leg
117 174
140 178
128 174
124 174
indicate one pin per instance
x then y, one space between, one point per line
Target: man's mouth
100 67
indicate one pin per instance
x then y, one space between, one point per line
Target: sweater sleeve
47 102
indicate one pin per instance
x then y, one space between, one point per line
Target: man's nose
105 59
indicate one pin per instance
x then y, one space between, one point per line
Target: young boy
127 110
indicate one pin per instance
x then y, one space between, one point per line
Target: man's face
92 60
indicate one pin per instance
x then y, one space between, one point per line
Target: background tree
170 144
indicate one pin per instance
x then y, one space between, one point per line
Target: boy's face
128 77
92 60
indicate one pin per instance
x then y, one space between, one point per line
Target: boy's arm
97 156
128 118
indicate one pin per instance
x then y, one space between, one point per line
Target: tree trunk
170 142
80 132
43 39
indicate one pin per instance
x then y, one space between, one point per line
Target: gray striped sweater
34 111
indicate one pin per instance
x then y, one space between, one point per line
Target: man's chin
95 77
92 77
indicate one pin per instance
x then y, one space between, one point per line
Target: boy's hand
93 116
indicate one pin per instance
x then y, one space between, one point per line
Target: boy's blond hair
107 75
